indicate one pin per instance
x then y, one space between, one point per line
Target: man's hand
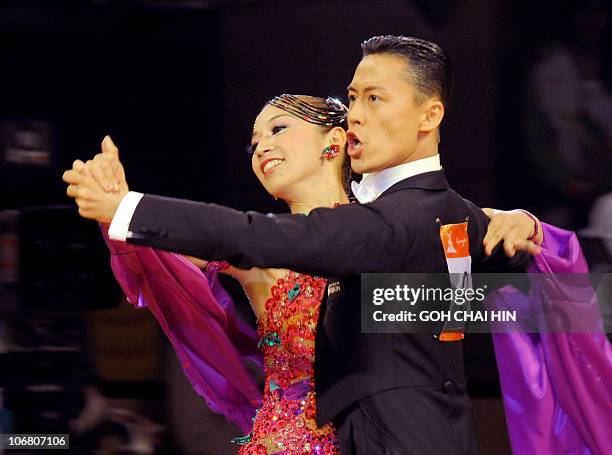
514 228
106 169
99 184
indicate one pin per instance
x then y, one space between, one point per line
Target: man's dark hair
429 69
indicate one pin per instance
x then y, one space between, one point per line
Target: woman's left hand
94 202
98 186
514 228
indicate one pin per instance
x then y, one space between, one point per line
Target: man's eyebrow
369 88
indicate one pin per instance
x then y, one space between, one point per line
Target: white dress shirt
374 184
119 228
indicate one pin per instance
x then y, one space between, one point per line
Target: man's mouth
355 146
267 166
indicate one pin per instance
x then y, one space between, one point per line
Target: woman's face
287 151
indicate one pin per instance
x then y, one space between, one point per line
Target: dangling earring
330 151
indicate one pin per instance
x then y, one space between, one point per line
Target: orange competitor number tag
456 244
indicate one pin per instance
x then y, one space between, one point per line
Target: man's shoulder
416 208
410 202
427 198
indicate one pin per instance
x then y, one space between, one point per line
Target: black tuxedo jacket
396 233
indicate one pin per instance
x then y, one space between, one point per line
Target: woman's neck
318 199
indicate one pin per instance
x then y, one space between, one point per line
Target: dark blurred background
178 84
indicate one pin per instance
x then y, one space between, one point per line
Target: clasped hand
99 184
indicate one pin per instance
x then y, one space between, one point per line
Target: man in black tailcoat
387 393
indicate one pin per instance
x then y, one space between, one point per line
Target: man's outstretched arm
346 240
330 242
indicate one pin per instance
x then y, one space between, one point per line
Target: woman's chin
278 189
276 192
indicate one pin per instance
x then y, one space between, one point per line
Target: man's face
384 118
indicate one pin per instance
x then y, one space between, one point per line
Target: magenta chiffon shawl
199 318
556 387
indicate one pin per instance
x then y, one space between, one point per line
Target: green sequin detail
241 440
269 339
293 293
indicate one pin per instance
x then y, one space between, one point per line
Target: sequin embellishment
269 339
285 424
242 439
293 292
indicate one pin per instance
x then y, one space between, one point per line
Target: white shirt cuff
119 228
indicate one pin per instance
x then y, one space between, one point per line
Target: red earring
330 151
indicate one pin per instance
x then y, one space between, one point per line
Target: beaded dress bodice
285 423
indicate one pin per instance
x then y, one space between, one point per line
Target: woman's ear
337 136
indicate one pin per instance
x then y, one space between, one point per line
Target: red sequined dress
285 423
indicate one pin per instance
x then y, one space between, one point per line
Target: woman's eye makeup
275 130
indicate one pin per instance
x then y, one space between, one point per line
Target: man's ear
433 113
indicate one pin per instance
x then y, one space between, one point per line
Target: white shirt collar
374 184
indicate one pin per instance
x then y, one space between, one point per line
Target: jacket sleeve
328 242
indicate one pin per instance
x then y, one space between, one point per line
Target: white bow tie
363 192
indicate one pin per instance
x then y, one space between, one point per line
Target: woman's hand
514 228
99 185
106 169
